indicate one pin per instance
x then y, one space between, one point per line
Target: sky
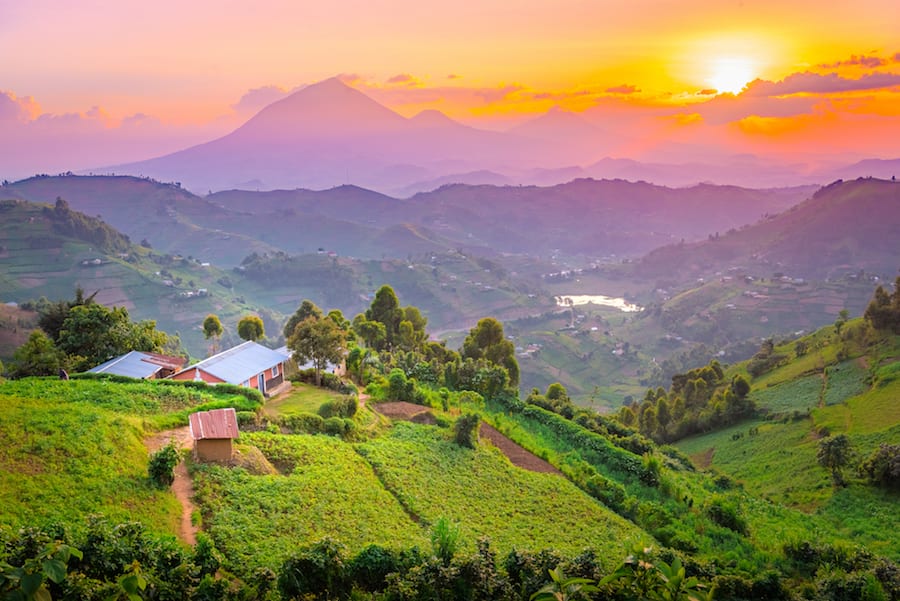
95 82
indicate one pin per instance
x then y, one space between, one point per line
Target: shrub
882 467
369 569
161 468
726 513
343 407
320 572
303 423
247 418
465 430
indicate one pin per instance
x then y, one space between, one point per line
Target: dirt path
182 486
517 455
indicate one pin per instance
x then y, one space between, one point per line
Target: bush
369 569
162 465
343 407
317 573
247 418
726 513
882 467
465 430
303 423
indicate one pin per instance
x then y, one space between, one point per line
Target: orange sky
171 72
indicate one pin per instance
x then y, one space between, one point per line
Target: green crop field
62 460
801 394
325 489
481 490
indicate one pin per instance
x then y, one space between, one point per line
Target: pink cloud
15 108
492 95
623 89
403 79
814 83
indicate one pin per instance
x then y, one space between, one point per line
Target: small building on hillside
213 432
138 364
249 364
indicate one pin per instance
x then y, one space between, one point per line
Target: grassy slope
73 448
326 490
779 463
488 496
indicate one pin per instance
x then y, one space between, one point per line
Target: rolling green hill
845 384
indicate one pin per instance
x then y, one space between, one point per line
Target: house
249 364
137 364
213 433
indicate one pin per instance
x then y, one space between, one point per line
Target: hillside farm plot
797 395
844 381
481 490
61 462
324 489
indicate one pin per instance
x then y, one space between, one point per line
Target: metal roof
136 364
239 363
217 423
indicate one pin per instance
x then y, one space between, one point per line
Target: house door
261 382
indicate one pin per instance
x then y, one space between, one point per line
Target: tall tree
319 340
385 308
306 309
251 328
212 329
486 341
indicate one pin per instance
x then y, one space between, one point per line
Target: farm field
323 489
482 491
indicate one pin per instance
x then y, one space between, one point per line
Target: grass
326 490
60 462
303 398
801 394
487 495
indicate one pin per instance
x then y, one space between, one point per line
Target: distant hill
843 228
583 217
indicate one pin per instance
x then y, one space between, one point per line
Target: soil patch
516 454
704 460
182 487
401 410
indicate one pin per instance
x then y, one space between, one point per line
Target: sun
730 74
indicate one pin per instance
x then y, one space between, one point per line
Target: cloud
14 108
253 100
454 76
492 95
858 61
708 92
815 83
403 79
623 89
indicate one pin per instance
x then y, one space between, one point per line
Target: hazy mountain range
329 134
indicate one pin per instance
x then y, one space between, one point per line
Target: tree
318 340
212 328
92 334
52 315
372 333
37 357
306 309
882 467
385 309
883 311
486 341
251 328
834 453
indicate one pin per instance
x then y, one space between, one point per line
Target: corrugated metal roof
217 423
239 363
136 364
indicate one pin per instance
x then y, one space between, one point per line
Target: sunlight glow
730 74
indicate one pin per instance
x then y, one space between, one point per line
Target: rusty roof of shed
217 423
